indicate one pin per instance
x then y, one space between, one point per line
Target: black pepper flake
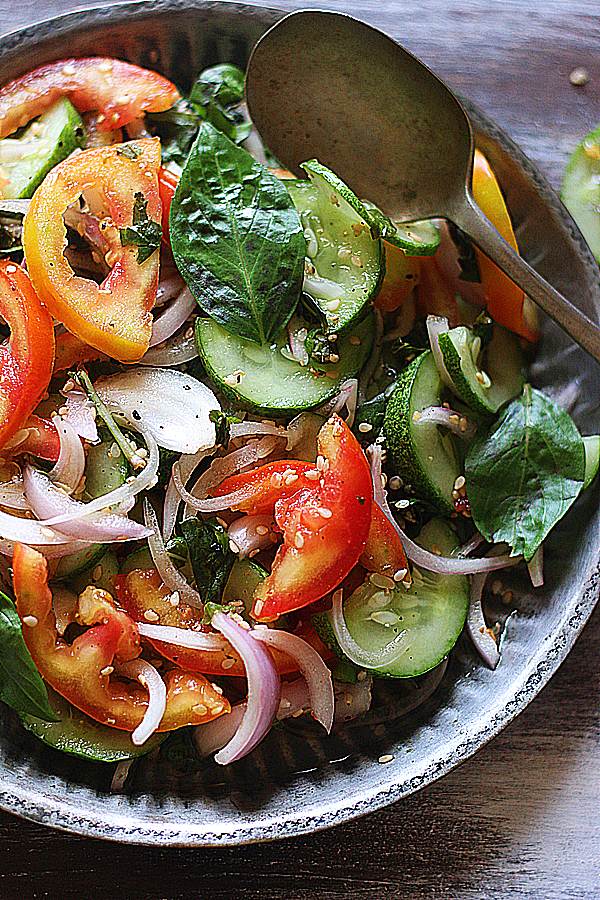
136 415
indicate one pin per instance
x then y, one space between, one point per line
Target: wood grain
521 819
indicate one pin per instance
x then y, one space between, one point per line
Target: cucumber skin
397 427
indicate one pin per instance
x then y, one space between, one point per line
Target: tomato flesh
119 91
113 317
267 484
325 525
383 552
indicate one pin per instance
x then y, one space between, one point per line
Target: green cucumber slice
26 160
581 189
415 238
269 382
432 611
501 367
345 264
102 574
423 455
79 735
244 578
139 559
591 444
105 469
68 566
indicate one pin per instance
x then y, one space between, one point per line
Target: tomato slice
167 185
140 591
119 91
384 552
506 303
434 296
267 484
81 671
401 277
325 526
26 359
41 439
113 317
71 350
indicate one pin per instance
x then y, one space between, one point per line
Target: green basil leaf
177 128
237 238
223 83
211 557
144 232
21 685
525 472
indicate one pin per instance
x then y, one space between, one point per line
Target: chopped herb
223 422
211 557
131 151
144 233
83 380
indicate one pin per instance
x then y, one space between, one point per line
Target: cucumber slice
68 566
501 367
270 382
581 189
79 735
244 578
102 574
104 471
591 445
415 238
345 264
139 559
26 160
432 611
422 455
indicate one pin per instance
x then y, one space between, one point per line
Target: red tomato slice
140 591
167 185
384 552
325 526
26 359
119 91
71 350
42 439
267 484
113 317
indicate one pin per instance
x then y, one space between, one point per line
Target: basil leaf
144 232
237 238
177 128
211 557
214 95
524 474
21 685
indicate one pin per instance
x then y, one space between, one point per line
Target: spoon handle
584 332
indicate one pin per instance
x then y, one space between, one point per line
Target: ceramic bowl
298 781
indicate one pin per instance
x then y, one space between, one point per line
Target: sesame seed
228 663
97 573
258 607
151 616
460 482
200 709
416 416
381 581
141 451
322 464
365 427
385 617
30 621
579 77
174 598
355 340
262 529
361 676
69 70
400 574
331 374
233 546
324 512
386 758
463 424
276 479
332 305
299 541
290 479
216 687
107 670
356 261
454 418
312 475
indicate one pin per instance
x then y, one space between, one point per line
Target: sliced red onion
214 735
173 317
352 700
311 666
251 534
70 465
348 397
369 368
19 207
174 407
46 501
122 497
187 465
447 418
535 567
28 531
297 334
220 469
183 637
443 565
169 286
147 675
375 659
177 350
483 642
264 689
81 414
12 495
167 569
253 429
437 325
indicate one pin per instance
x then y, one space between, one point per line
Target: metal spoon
321 84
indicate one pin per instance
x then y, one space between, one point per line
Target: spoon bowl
322 84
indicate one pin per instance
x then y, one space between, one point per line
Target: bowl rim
33 805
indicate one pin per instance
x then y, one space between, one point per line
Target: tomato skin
140 590
26 359
318 551
113 317
401 277
506 302
267 484
71 350
42 439
434 296
167 185
383 552
76 670
119 91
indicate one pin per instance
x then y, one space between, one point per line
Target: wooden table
522 818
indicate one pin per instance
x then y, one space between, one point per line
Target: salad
259 445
